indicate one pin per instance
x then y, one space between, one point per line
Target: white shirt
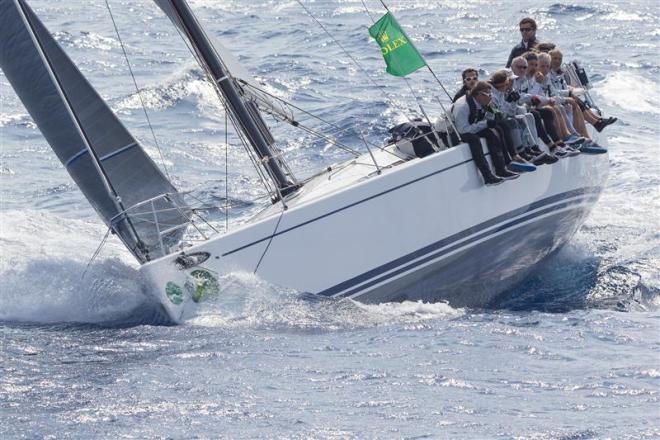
460 112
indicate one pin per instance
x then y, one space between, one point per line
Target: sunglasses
471 78
485 94
526 29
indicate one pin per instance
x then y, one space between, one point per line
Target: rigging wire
137 89
412 91
430 69
355 61
234 123
295 123
97 251
226 173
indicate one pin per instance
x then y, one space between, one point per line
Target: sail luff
76 122
99 153
248 118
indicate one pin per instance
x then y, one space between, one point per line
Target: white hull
425 229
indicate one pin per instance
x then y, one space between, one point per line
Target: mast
248 117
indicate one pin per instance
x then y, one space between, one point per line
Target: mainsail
102 157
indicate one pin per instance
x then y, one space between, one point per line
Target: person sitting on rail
559 80
522 123
567 106
508 127
470 78
541 101
544 118
469 116
528 32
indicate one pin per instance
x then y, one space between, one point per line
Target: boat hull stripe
442 247
284 231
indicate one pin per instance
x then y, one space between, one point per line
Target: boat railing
194 220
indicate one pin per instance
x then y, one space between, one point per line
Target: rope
97 252
308 129
357 64
430 69
137 89
270 240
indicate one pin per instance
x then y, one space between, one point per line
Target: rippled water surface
571 354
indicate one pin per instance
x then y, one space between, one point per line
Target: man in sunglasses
470 78
528 32
472 122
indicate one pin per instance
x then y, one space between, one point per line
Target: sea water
573 353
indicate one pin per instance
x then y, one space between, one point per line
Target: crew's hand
552 101
539 77
536 100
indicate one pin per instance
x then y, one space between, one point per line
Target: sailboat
385 226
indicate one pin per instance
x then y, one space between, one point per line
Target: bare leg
559 118
589 116
578 119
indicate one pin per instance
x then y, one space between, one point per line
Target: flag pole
382 2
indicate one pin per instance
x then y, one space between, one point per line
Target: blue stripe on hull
430 252
477 275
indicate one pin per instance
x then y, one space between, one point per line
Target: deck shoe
592 148
535 150
527 156
560 152
571 152
507 175
491 180
543 158
550 159
521 167
574 140
602 123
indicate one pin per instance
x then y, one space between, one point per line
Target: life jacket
475 114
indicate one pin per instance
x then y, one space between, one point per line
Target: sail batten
102 157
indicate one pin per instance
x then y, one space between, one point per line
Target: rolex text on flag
399 53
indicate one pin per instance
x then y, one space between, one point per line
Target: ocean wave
187 85
569 9
16 120
45 278
630 92
247 301
86 40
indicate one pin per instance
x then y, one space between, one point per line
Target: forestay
102 157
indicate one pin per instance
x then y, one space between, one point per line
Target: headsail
210 55
102 157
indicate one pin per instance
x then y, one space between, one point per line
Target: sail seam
76 156
118 151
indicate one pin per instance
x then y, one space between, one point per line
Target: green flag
400 55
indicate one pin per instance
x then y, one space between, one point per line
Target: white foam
246 301
630 91
42 263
